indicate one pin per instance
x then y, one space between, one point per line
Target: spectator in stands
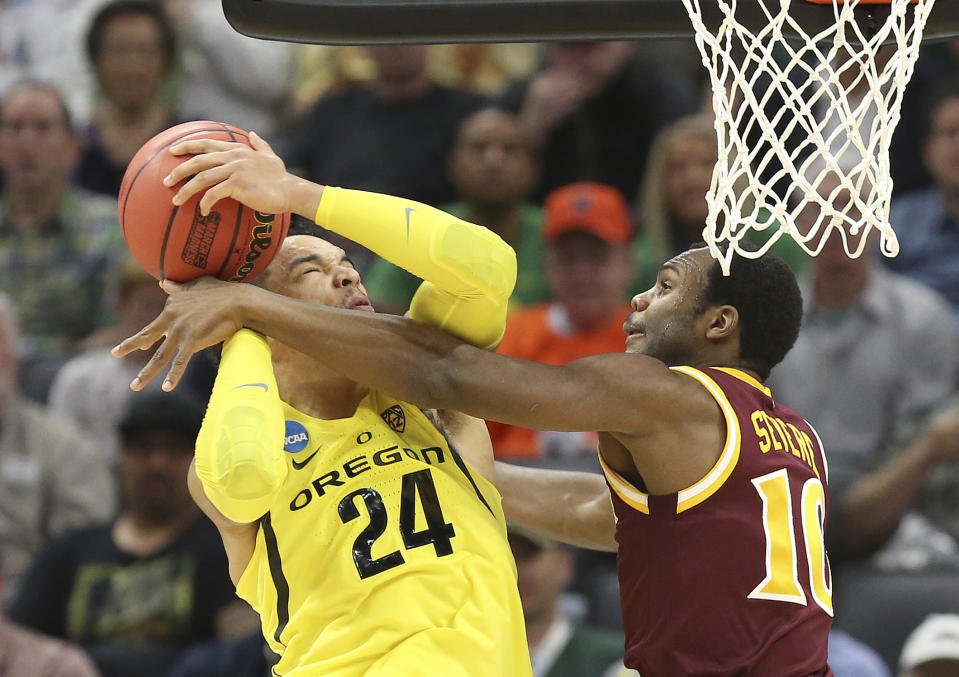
493 169
671 212
587 229
559 645
51 474
131 45
859 334
909 496
43 40
58 244
672 209
24 652
927 221
592 112
136 592
391 134
937 61
225 75
932 650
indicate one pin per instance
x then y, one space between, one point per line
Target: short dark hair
118 8
766 295
300 225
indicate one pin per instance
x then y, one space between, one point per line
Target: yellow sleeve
469 271
239 451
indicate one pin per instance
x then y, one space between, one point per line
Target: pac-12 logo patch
395 418
296 437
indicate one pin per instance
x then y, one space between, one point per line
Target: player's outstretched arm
619 393
469 270
572 507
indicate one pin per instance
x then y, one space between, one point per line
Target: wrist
304 196
247 306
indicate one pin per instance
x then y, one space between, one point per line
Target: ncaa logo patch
296 437
395 418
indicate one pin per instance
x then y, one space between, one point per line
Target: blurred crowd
592 159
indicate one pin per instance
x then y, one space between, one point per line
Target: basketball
178 243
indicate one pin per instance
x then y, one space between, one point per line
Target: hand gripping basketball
252 174
180 241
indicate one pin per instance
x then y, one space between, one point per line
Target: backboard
356 22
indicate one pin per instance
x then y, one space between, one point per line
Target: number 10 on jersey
782 563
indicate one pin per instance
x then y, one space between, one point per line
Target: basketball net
836 92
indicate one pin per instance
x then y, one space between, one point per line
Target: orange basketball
232 242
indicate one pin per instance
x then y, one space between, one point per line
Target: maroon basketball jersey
729 577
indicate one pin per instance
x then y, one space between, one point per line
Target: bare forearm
877 502
427 367
572 507
384 352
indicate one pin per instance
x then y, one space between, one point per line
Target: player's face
665 322
311 268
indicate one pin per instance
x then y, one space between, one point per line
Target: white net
804 123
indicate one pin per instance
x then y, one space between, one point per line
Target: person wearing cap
137 591
932 649
587 232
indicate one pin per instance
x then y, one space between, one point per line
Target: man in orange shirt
587 229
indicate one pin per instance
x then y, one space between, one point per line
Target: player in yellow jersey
370 542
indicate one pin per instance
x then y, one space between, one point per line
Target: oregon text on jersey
358 465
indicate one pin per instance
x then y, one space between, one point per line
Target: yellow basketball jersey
384 554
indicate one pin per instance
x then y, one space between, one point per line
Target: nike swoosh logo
302 464
265 387
409 210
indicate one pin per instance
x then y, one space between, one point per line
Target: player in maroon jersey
719 490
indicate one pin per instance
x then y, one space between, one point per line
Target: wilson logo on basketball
196 251
262 240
